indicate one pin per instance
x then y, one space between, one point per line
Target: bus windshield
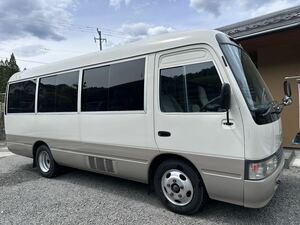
251 84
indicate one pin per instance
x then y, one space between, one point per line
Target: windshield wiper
273 108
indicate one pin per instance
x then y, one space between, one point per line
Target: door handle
164 133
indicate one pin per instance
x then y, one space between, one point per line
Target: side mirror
225 96
225 101
287 100
287 88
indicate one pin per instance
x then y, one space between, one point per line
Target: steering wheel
210 102
263 95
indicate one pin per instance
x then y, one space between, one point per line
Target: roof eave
267 31
276 21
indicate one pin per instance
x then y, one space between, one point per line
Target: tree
12 64
7 69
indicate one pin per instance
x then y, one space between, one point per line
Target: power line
32 61
74 27
25 60
116 36
48 50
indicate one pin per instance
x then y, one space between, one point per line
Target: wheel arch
167 156
35 146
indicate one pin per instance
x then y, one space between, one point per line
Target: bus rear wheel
45 162
179 187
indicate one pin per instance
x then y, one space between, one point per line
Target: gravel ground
79 197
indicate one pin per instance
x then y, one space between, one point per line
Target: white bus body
151 111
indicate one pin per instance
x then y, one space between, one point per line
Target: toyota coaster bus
187 113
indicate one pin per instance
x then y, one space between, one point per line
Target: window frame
143 111
178 52
7 96
52 75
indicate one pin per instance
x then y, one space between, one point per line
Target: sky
39 32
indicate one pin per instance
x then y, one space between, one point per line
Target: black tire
54 168
199 196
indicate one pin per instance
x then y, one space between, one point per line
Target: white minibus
187 113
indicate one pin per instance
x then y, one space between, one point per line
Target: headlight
260 170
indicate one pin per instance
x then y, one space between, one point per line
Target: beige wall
274 63
278 55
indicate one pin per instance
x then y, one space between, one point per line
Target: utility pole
100 39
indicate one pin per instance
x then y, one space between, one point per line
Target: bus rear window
21 97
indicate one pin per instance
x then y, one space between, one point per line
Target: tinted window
126 86
58 93
116 87
190 88
21 97
66 92
46 96
94 95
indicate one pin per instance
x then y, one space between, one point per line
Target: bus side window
190 88
116 87
21 97
58 93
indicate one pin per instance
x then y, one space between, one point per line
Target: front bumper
257 194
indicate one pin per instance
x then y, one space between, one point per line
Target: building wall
2 133
275 62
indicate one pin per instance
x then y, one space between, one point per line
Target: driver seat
202 96
204 99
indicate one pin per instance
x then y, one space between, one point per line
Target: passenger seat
169 104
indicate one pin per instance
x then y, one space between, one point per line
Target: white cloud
47 51
212 6
159 30
30 50
137 31
272 6
32 29
39 18
117 3
247 7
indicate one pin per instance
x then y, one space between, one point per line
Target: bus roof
142 47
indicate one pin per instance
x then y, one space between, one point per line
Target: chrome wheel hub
44 161
177 187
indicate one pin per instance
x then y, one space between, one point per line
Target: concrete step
6 154
296 161
3 149
289 154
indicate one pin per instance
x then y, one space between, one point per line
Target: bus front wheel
179 187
